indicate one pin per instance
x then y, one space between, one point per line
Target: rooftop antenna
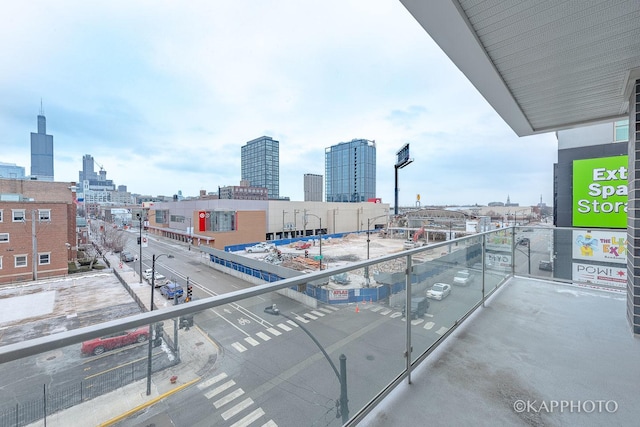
41 108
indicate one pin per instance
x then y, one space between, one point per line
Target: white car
463 278
260 247
146 275
439 291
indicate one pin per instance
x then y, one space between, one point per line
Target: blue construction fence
282 242
386 283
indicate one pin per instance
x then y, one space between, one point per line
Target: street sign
318 257
145 242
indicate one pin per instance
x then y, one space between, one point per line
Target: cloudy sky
163 95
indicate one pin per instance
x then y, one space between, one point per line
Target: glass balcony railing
316 349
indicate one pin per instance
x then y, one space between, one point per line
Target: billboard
600 192
600 246
600 275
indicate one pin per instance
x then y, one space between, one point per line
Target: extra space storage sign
600 192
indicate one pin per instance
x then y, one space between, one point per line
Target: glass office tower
350 171
260 164
42 151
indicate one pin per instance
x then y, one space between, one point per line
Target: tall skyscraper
312 187
350 171
260 164
42 151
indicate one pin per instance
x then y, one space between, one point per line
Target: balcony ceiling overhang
542 65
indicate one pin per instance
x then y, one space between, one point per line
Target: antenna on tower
41 108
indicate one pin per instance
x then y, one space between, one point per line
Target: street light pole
140 265
366 269
153 286
320 219
343 409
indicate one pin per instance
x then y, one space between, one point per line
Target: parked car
545 265
419 307
127 256
260 247
302 245
524 241
439 291
463 278
119 339
170 290
158 280
341 279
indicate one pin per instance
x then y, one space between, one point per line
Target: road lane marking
270 423
274 331
396 314
310 316
294 324
264 336
317 313
237 409
428 325
239 347
212 381
417 322
284 327
301 319
442 330
249 418
228 398
219 389
326 310
252 341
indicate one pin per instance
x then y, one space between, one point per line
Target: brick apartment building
37 229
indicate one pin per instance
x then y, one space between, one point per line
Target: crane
101 168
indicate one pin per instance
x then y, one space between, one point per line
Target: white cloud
164 94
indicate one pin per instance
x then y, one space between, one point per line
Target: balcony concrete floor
535 347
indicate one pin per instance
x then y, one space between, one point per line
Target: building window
0 263
20 261
0 215
621 131
221 221
44 215
18 215
44 258
4 237
162 217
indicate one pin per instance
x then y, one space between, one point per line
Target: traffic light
189 293
139 240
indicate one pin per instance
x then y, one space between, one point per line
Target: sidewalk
195 350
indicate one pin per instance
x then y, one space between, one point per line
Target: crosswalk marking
317 313
326 310
385 312
292 323
219 389
284 327
249 418
330 307
396 314
310 316
274 331
417 321
239 347
237 409
252 341
428 325
212 381
264 336
270 423
301 319
442 330
377 308
228 398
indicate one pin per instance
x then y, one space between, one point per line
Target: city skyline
168 111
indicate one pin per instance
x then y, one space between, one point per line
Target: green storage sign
600 192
